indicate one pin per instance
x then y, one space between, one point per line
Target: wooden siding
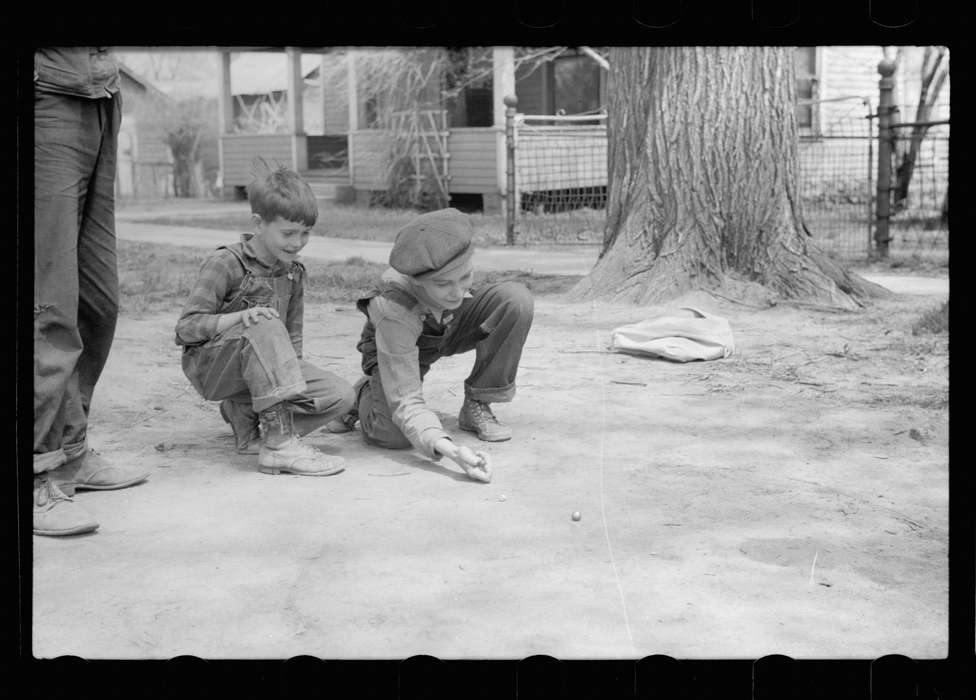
370 150
240 150
473 165
560 157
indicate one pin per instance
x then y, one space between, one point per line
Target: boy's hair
280 191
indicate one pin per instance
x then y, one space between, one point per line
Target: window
807 88
576 85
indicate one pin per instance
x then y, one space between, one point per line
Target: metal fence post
510 198
887 83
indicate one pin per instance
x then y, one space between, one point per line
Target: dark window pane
577 85
806 61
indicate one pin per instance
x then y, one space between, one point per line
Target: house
838 87
144 167
337 143
341 150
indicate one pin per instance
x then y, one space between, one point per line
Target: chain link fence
560 178
561 181
835 175
919 221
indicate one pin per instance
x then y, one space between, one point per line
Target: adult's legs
75 296
66 145
98 286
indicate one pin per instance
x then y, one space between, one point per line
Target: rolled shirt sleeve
398 359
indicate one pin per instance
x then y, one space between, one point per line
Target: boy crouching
422 310
241 332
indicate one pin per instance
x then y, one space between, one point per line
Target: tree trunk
702 180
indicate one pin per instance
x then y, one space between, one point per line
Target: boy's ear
256 219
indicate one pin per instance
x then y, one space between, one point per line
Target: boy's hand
477 465
250 316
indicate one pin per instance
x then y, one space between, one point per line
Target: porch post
503 84
225 111
352 97
225 103
324 97
296 127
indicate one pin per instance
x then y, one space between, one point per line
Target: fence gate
835 176
918 222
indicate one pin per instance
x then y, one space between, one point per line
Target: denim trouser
257 366
494 323
75 274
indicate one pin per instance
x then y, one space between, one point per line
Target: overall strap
238 252
389 291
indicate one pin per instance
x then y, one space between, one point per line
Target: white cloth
682 335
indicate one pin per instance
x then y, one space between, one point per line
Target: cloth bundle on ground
681 335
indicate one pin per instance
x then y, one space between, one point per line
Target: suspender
237 251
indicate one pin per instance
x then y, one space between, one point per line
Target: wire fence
835 176
561 181
561 178
919 223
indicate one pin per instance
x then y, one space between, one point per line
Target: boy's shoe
297 457
91 472
476 417
283 451
55 514
244 422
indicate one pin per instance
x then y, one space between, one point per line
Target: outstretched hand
477 465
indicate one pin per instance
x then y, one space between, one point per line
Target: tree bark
702 180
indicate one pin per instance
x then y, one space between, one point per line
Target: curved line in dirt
603 501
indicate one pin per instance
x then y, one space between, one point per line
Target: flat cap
432 242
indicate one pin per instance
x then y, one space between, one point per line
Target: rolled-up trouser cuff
46 461
75 450
489 394
261 403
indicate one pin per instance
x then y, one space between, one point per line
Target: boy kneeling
241 330
423 310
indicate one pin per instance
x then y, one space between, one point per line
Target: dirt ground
790 499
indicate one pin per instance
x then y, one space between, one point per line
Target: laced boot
476 417
55 514
283 451
243 421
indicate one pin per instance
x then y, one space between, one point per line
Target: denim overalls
258 364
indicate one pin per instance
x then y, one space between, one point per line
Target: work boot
282 450
91 472
476 417
244 422
55 514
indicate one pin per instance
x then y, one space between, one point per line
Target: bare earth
791 499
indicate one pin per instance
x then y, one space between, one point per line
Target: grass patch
339 221
933 321
155 277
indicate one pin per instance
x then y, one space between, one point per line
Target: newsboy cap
432 243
